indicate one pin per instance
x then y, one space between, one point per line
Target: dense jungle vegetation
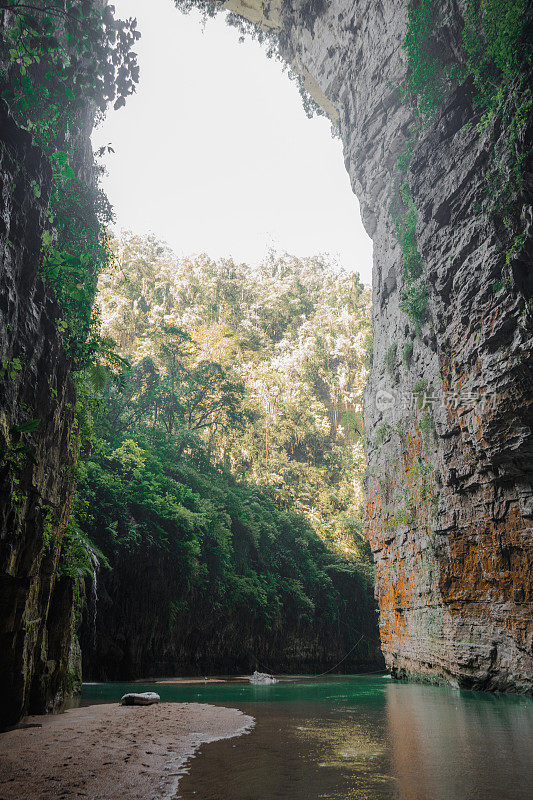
218 413
232 435
198 379
262 370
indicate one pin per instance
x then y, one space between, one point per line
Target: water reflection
449 745
359 738
350 748
294 755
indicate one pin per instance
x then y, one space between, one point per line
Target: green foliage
10 368
16 453
75 251
50 524
391 360
496 52
58 59
229 545
517 245
176 467
269 371
61 59
420 386
401 516
61 54
425 80
405 224
404 215
427 426
163 442
420 390
27 427
502 283
414 303
496 56
383 432
407 354
76 553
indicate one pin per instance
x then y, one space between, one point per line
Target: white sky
214 152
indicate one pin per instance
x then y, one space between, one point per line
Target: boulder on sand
140 699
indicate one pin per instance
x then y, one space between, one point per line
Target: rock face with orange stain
449 407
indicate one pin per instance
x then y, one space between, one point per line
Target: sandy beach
110 752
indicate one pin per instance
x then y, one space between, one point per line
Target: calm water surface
357 737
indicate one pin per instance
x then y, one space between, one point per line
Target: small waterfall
94 594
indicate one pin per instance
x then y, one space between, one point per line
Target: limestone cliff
61 65
450 403
36 456
449 406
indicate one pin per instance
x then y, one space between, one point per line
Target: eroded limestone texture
36 468
449 492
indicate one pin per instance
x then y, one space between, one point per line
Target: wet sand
110 752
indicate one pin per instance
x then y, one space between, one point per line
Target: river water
357 737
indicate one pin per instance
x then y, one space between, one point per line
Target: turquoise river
357 737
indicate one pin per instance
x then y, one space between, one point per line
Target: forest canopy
218 407
261 369
224 446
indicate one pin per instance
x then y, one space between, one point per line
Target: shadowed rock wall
449 489
36 468
127 632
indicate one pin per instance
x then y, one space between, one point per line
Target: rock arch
449 407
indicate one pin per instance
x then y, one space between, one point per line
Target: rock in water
262 678
140 699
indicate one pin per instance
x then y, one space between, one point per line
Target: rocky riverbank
110 752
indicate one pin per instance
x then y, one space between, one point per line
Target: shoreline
111 752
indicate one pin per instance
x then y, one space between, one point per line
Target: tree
294 333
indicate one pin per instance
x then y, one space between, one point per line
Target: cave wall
36 467
454 567
449 443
